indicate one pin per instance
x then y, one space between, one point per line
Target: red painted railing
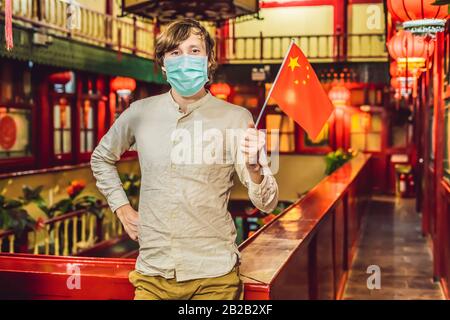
25 276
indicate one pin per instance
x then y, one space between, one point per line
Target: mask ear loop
206 69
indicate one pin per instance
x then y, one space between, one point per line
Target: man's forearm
108 180
264 195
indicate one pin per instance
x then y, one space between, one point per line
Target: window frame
22 162
64 158
95 99
383 136
273 111
319 149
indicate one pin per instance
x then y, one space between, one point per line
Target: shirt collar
192 106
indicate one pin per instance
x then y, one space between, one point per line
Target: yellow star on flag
293 63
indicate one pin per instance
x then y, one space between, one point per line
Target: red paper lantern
61 78
395 71
394 83
409 49
404 86
339 95
220 90
419 16
123 85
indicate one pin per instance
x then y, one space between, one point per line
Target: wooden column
425 151
108 23
439 152
43 123
340 27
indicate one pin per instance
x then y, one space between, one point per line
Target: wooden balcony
128 35
136 36
318 48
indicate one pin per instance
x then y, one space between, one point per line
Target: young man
186 236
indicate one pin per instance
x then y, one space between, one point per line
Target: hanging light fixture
60 79
123 86
404 86
220 90
339 95
411 52
395 71
169 10
420 17
8 25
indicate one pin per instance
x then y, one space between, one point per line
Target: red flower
70 190
40 223
75 188
79 183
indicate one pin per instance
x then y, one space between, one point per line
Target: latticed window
62 99
286 128
366 131
87 113
87 126
62 126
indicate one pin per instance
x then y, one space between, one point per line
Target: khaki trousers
226 287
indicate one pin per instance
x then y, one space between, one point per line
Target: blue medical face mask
187 74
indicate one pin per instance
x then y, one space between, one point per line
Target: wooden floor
391 239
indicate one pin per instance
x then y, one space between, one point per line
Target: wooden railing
318 48
67 234
306 251
129 35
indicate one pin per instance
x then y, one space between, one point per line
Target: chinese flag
299 93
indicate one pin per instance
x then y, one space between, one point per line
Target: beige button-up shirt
184 230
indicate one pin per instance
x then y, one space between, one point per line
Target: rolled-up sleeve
114 143
264 195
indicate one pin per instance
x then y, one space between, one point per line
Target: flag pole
273 85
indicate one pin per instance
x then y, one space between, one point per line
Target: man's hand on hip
129 218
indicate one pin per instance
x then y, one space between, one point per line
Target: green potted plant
335 159
74 201
15 218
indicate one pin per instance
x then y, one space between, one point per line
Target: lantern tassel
8 25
